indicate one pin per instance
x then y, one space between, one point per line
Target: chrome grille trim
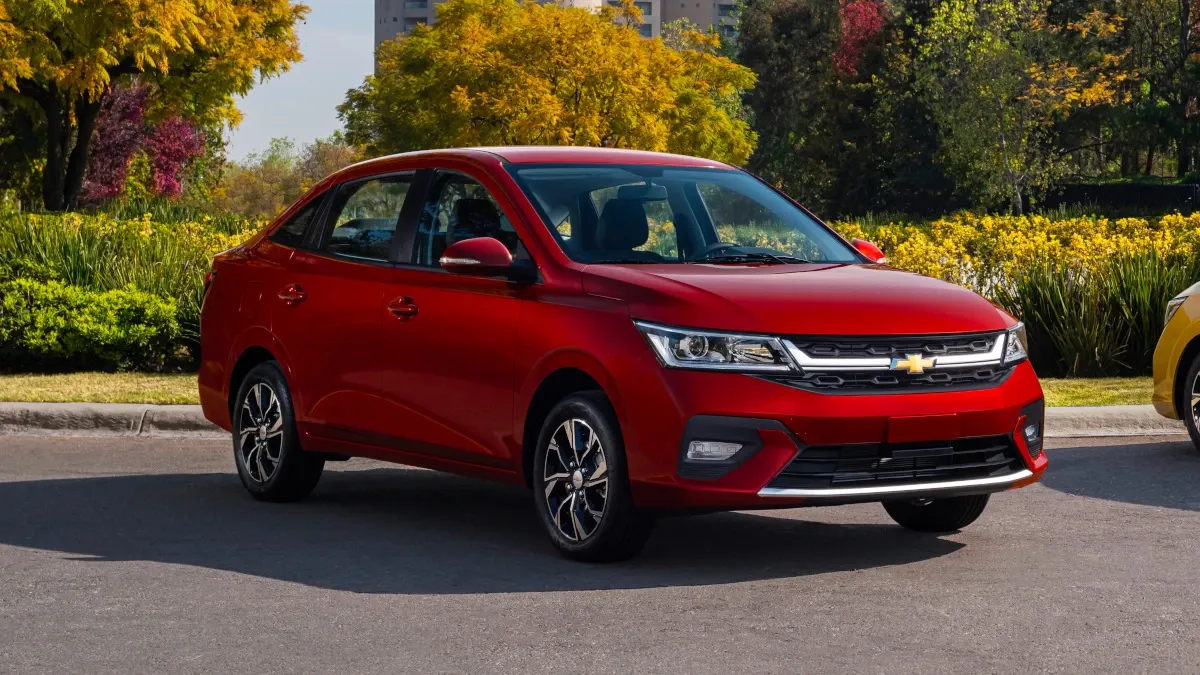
809 363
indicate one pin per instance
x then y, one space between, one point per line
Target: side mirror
870 250
478 257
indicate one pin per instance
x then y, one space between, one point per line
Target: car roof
550 154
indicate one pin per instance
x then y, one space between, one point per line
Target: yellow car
1177 362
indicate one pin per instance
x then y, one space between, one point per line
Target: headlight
1016 345
1173 306
704 350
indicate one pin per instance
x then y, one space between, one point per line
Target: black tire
1190 389
599 479
270 446
937 515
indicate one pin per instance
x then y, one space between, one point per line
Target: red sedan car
624 333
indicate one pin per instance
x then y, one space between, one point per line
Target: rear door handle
402 308
292 294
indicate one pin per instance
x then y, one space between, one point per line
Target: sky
338 42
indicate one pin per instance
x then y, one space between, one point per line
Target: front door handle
402 308
292 294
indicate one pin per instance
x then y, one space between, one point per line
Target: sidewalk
95 419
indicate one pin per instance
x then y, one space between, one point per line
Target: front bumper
787 421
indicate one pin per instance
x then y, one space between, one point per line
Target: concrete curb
105 419
1113 420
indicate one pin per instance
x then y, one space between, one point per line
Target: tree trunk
1150 161
56 132
1184 162
1128 162
86 113
68 149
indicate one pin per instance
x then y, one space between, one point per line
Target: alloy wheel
260 438
575 479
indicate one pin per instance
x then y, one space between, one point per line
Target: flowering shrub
104 253
1091 290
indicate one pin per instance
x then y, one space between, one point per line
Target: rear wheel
266 447
937 515
581 484
1190 406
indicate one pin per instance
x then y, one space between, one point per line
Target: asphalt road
146 556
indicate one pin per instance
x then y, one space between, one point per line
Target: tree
789 44
262 185
998 77
61 59
498 72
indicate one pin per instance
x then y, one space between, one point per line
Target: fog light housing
1032 435
1031 427
711 451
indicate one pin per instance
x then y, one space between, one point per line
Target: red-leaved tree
170 146
122 131
862 20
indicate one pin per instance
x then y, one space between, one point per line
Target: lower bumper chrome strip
896 489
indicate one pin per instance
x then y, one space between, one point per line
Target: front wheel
266 447
937 515
581 483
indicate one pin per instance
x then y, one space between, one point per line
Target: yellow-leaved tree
59 58
499 72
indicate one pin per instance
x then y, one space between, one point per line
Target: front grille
859 365
876 381
879 464
875 347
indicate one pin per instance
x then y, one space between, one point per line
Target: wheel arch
1178 388
250 357
554 385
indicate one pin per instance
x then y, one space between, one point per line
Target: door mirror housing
873 253
478 257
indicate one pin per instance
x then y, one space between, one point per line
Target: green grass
1097 391
181 388
100 388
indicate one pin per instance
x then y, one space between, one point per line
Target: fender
549 363
259 336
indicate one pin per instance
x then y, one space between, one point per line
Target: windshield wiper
750 257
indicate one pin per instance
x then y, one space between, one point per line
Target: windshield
660 214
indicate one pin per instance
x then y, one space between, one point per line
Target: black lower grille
874 381
875 464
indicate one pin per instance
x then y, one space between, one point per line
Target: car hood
798 299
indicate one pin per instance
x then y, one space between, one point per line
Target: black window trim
321 202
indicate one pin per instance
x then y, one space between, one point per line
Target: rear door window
367 214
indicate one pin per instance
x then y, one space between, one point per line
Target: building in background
718 14
399 17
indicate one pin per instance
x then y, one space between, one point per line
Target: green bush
52 326
1099 321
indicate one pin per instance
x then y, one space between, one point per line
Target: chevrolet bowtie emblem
915 364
